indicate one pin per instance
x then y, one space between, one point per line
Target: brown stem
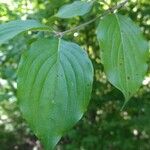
108 11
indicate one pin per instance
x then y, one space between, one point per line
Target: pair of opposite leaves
55 76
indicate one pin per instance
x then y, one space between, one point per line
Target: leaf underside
77 8
54 86
11 29
123 52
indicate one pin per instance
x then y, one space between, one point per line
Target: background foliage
103 127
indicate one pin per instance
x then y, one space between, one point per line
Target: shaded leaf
11 29
124 53
77 8
54 86
4 97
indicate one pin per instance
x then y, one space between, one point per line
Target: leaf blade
50 86
77 8
123 52
11 29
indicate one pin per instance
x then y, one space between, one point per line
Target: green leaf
11 29
124 53
4 97
54 86
77 8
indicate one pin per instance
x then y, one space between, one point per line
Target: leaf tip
124 104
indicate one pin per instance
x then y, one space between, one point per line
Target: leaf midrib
122 41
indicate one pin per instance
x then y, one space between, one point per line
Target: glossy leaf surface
77 8
54 86
11 29
124 53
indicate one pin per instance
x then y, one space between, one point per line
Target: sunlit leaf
124 53
11 29
54 86
77 8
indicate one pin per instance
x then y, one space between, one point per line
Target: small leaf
77 8
4 97
54 86
124 53
11 29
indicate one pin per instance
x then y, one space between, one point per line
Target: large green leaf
123 52
54 86
11 29
77 8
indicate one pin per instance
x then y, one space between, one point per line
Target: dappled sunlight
146 81
103 126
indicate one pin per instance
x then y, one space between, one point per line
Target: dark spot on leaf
128 77
129 93
120 63
88 84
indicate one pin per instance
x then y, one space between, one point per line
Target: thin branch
108 11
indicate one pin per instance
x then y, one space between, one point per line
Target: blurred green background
104 126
